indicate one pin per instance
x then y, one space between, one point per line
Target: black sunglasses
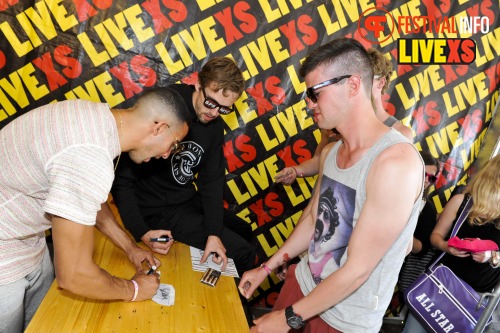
310 92
430 178
212 104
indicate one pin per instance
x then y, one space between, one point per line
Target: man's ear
354 83
159 127
381 83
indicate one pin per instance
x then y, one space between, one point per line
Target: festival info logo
377 25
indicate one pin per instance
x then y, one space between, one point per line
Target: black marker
151 271
162 239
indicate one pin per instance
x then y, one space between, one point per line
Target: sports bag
440 300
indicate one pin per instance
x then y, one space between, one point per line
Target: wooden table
198 307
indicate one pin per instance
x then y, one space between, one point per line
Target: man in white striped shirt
56 170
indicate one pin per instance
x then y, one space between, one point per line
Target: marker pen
162 239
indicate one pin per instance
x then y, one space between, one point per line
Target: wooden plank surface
198 307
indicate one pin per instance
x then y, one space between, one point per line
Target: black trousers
185 221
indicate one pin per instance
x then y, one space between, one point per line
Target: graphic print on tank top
333 228
184 162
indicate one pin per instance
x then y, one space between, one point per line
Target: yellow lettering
21 48
36 89
60 13
172 67
142 32
215 42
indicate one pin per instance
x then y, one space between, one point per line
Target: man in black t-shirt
182 196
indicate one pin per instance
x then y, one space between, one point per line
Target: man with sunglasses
182 197
373 180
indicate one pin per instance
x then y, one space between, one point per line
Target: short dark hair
222 73
429 159
172 101
347 55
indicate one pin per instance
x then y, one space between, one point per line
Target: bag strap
460 220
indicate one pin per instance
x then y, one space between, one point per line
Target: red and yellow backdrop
110 51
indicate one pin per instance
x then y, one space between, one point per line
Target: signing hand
158 247
137 255
214 245
148 285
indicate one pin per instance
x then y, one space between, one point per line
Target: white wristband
136 290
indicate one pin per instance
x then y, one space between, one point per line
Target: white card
165 295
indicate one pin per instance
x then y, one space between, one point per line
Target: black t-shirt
480 276
142 190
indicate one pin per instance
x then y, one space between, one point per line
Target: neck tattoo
120 135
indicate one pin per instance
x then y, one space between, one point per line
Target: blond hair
485 191
382 66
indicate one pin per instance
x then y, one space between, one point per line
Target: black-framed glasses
212 104
177 147
311 92
431 178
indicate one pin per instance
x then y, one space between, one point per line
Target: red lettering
179 11
84 10
453 55
257 92
262 216
310 34
122 73
103 4
272 87
160 21
247 152
72 67
147 75
300 149
286 156
425 116
388 106
471 125
225 18
451 72
4 4
232 161
468 53
249 24
486 11
294 43
3 60
54 78
275 207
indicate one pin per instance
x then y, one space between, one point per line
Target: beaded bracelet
136 290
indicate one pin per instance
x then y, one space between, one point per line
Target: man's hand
273 322
286 176
158 247
137 255
214 245
148 285
251 280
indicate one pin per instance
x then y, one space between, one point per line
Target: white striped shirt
56 159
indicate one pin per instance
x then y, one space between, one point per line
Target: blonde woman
481 269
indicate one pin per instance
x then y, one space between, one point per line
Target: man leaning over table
57 168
